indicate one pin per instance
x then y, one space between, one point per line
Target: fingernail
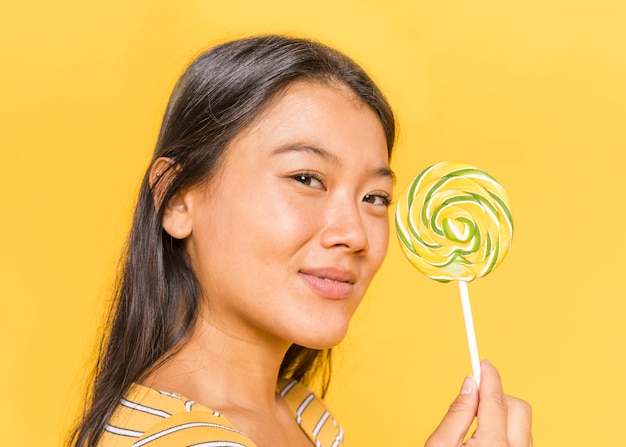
468 385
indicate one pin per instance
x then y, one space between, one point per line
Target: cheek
279 223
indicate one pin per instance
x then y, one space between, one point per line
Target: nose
344 227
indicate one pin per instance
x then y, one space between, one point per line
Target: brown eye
377 199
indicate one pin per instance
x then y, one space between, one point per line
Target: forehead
317 110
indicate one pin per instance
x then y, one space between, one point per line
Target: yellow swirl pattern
454 222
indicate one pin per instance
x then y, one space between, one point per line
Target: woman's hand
502 421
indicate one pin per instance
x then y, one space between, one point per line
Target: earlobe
177 221
176 218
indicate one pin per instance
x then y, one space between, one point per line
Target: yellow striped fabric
152 418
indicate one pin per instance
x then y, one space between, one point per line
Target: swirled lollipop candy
454 223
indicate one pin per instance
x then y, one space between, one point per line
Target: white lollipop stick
469 330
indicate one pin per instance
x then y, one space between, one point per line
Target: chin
324 339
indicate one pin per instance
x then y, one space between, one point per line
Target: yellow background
532 91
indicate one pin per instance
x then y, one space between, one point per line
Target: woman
259 226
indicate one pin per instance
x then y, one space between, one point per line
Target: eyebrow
383 171
323 153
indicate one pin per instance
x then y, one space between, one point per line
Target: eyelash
305 177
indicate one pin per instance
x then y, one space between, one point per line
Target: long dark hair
157 295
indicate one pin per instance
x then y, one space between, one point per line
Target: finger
492 410
458 419
519 422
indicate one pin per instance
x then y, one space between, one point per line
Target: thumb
457 421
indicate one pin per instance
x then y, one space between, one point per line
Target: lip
329 282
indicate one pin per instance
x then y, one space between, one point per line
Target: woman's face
287 237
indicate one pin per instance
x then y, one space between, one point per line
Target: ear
176 218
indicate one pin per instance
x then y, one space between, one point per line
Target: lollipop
453 223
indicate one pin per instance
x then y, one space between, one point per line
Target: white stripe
288 388
175 396
320 423
123 431
136 406
302 407
339 438
189 404
183 427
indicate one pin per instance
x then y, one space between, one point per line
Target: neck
221 369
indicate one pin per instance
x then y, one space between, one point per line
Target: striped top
152 418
